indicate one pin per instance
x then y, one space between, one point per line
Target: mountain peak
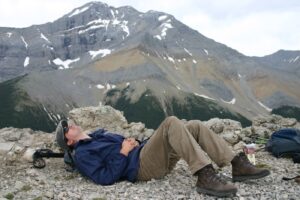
94 4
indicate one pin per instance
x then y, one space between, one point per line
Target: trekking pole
39 162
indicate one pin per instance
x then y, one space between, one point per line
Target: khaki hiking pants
174 140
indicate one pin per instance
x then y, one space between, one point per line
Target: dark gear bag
285 142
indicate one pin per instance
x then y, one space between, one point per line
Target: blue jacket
99 158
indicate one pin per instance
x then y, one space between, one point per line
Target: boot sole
229 193
250 177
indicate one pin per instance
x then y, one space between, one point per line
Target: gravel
54 182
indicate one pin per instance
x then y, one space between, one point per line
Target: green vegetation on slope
288 111
199 108
19 111
149 110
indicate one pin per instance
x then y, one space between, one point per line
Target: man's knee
173 120
197 126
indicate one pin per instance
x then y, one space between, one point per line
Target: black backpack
285 142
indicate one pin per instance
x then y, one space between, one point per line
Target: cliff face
21 181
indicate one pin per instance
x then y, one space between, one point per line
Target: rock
95 117
239 146
49 194
28 155
148 133
19 185
288 122
6 147
216 125
12 135
230 137
137 126
18 149
261 131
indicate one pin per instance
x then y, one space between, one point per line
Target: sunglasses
65 126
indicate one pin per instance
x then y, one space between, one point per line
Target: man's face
73 133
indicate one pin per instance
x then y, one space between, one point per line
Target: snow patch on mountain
125 27
92 27
50 115
103 52
99 23
230 102
188 52
26 61
157 36
64 64
79 10
26 45
171 59
45 38
194 61
76 27
9 34
204 96
99 86
112 13
292 60
205 51
106 87
165 27
264 106
162 17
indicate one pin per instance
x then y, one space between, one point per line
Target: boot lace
213 176
245 160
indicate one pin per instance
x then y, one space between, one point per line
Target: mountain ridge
79 57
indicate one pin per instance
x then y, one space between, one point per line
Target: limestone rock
6 147
95 117
226 128
28 155
239 146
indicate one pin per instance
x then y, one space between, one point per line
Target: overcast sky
253 27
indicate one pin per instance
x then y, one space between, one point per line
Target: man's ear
70 142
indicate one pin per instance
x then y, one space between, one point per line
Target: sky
252 27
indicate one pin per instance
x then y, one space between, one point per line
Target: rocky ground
19 180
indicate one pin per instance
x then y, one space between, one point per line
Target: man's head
67 134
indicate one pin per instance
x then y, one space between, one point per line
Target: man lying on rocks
107 158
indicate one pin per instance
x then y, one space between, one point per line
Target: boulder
6 147
102 116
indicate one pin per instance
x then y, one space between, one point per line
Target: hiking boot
243 169
210 183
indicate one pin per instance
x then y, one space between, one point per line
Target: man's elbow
104 181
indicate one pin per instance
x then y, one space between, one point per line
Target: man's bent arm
102 172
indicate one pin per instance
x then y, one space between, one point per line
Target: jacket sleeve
102 172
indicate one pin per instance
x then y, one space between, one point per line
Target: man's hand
127 145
